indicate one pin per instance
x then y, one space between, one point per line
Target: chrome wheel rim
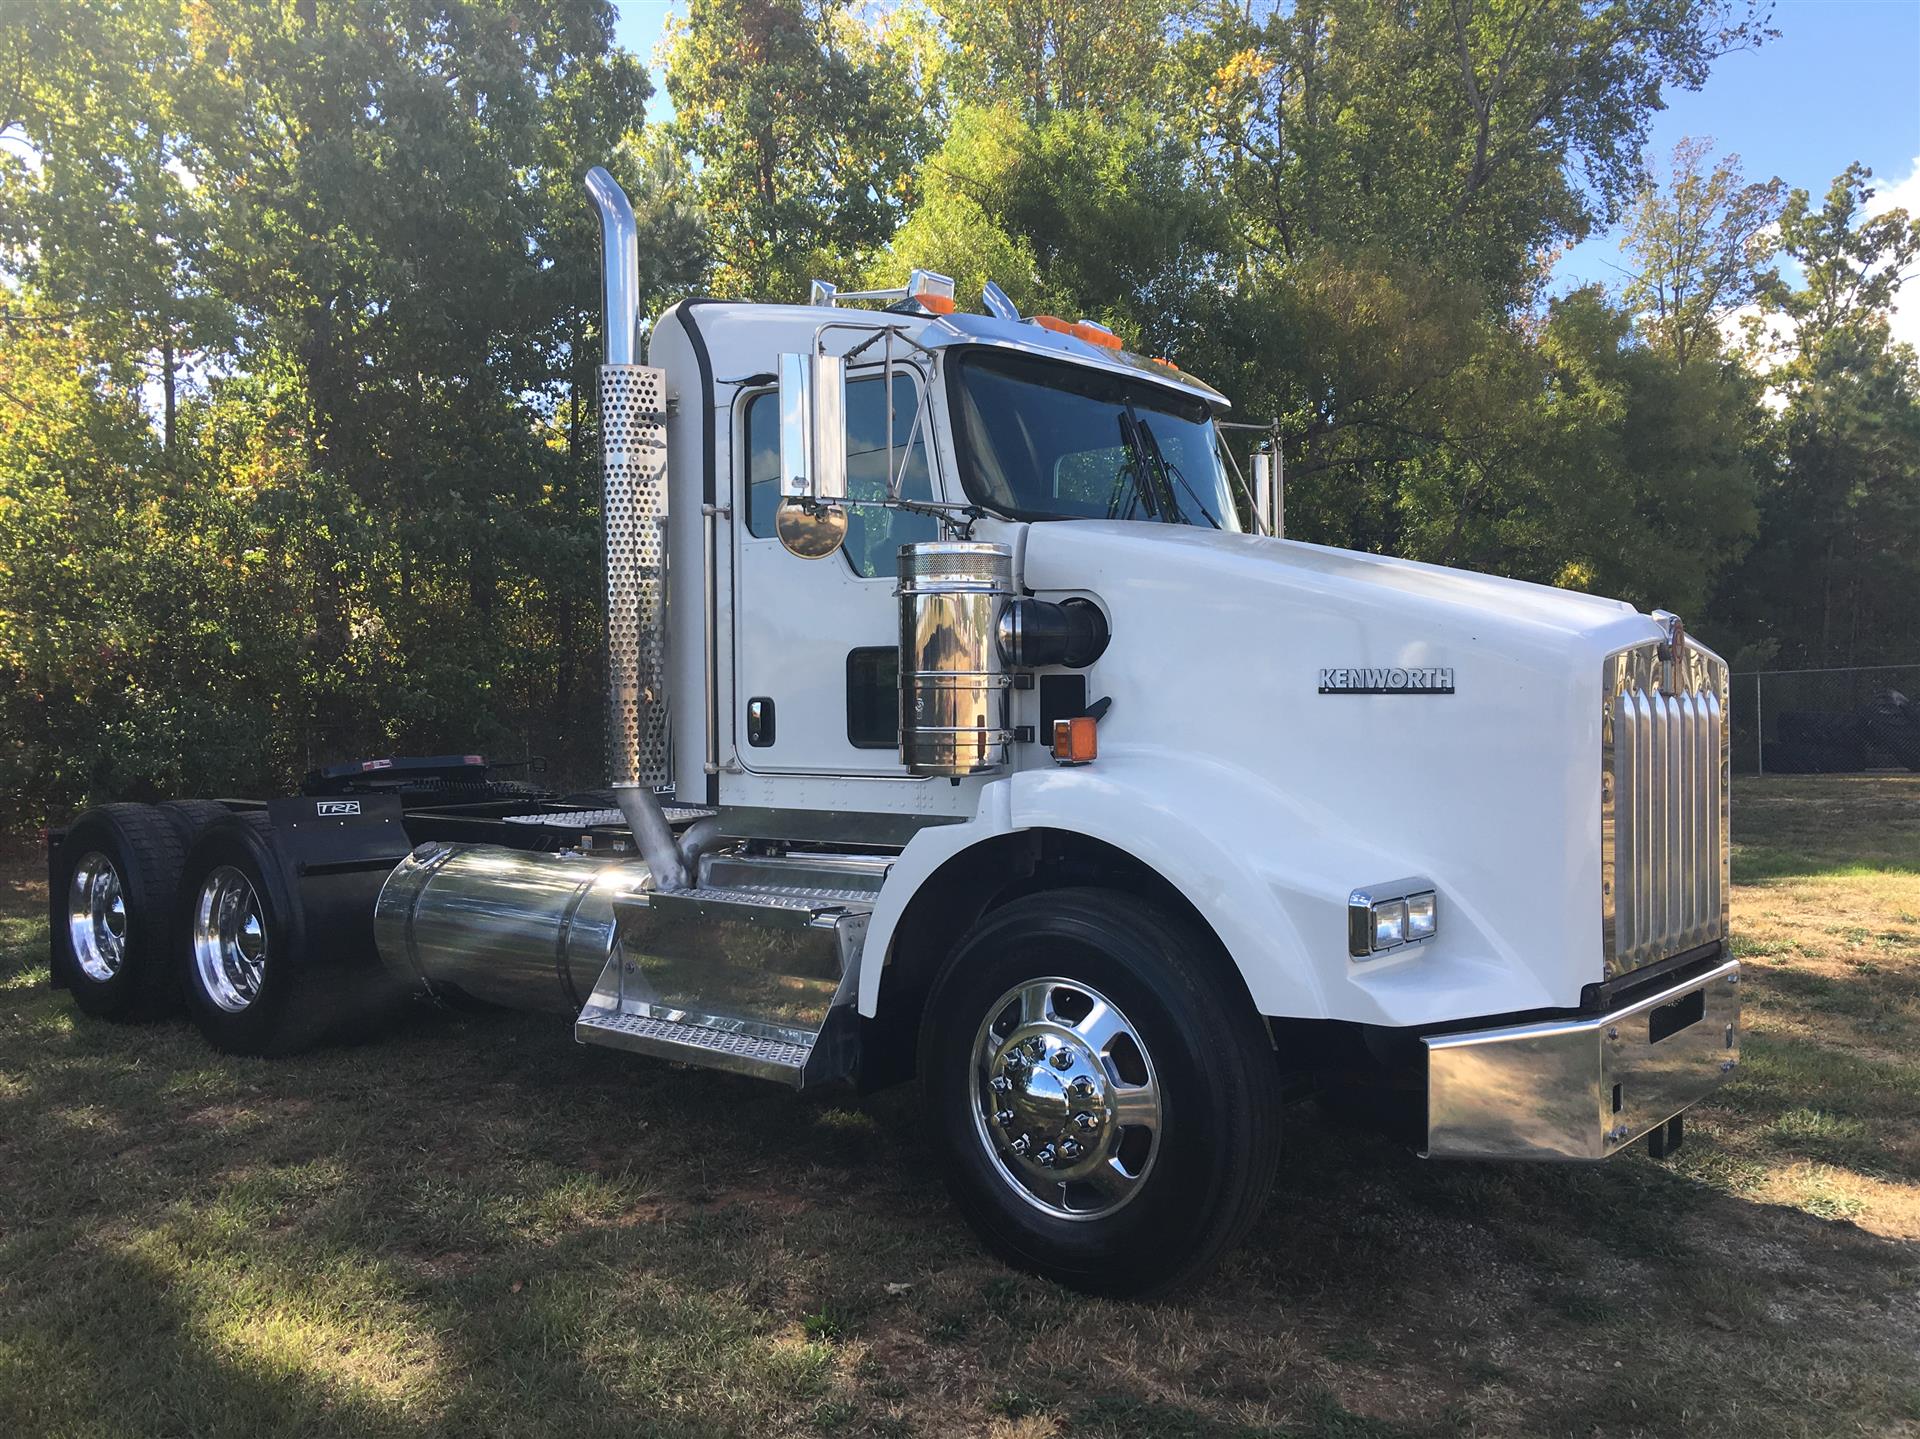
97 917
229 939
1066 1100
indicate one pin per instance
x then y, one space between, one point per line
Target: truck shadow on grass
474 1226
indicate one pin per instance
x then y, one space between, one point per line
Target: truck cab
971 720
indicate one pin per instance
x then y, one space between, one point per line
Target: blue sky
1841 83
638 29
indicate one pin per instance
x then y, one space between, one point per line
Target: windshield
1042 439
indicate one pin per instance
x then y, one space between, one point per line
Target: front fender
1269 877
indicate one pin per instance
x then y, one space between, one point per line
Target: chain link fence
1839 721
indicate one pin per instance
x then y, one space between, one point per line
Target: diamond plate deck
694 1043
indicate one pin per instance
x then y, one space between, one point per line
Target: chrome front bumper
1582 1088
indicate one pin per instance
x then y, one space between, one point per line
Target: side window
873 697
874 534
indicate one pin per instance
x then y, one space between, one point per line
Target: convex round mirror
811 530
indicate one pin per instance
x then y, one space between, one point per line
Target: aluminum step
788 907
678 816
707 1041
757 980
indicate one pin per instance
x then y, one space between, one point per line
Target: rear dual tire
259 977
116 882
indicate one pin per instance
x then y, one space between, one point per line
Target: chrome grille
1663 811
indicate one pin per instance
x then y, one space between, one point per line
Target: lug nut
1015 1060
1003 1117
1044 1156
1082 1088
1019 1145
1001 1084
1035 1046
1085 1121
1063 1059
1070 1149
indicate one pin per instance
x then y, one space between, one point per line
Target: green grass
476 1227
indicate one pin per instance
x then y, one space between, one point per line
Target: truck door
815 642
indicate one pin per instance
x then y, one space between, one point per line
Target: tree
1700 248
1455 134
805 128
116 228
375 525
1039 56
1636 476
1834 579
1854 264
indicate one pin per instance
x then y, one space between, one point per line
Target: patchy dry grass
476 1227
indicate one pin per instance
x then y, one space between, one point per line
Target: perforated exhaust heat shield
633 410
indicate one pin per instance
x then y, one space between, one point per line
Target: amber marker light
1075 740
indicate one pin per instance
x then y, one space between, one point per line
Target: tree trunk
167 363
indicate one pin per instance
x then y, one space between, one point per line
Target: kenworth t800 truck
969 721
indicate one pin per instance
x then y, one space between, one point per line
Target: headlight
1381 917
1420 916
1389 923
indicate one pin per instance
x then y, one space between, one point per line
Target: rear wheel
229 939
1106 1096
116 888
241 938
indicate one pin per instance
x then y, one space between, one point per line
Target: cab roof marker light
928 287
922 283
1083 330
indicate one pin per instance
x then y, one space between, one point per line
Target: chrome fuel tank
527 931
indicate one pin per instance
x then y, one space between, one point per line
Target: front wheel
1106 1097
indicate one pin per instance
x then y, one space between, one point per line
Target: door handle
760 721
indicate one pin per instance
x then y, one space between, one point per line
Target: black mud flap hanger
348 834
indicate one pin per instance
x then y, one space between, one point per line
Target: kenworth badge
1425 681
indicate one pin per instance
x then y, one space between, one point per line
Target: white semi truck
964 724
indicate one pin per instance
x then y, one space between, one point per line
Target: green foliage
299 326
1702 247
1468 136
805 125
355 236
1832 580
1041 56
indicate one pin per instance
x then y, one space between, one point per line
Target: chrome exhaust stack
633 414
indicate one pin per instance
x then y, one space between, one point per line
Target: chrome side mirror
813 427
813 455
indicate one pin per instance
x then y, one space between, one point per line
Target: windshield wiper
1133 474
1171 472
1153 482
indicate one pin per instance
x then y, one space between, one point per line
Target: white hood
1492 789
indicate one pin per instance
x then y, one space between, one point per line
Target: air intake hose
1036 633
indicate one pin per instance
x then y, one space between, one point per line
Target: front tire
1106 1097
